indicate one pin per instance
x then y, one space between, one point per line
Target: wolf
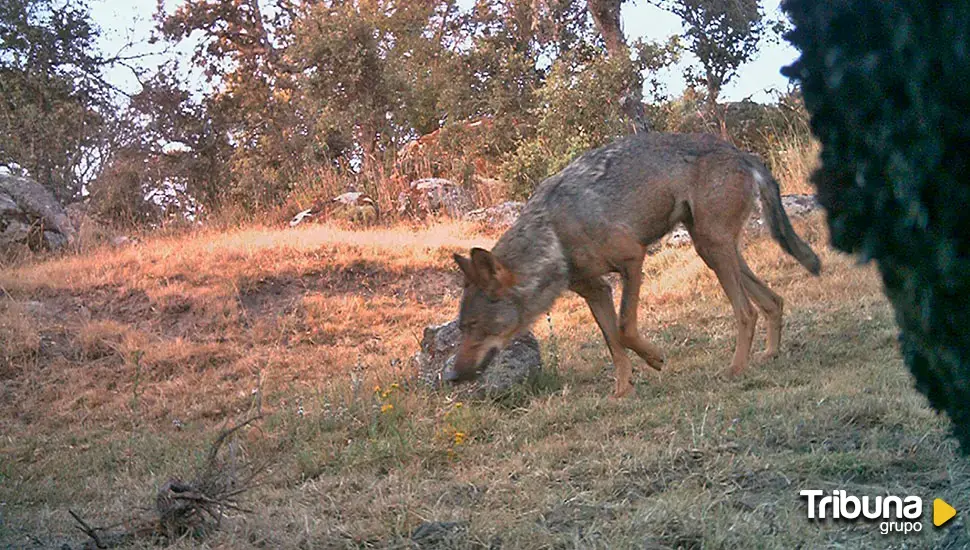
597 216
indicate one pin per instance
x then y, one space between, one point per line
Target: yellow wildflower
387 407
459 438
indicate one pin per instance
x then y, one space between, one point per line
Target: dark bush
886 84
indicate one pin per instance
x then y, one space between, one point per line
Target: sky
124 21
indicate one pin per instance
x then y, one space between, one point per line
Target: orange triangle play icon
942 512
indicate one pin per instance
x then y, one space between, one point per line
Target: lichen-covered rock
515 364
500 216
434 196
354 207
30 215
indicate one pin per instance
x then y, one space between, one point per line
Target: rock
54 240
26 206
800 205
678 237
498 216
515 364
8 207
34 200
355 207
15 232
434 196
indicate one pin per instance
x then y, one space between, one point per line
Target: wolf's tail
774 215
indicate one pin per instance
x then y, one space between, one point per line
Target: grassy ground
118 369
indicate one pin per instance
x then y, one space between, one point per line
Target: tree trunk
606 17
720 116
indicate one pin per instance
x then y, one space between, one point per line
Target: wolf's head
490 315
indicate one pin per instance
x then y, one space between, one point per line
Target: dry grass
794 159
122 365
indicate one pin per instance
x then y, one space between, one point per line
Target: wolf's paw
766 356
650 354
623 391
733 371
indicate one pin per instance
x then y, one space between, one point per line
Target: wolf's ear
466 267
490 273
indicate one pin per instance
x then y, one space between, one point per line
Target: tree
242 54
173 156
54 106
606 15
723 34
341 86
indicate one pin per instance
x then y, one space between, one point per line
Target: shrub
886 85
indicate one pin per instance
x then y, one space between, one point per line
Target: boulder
353 206
13 232
7 205
30 214
499 216
515 364
434 196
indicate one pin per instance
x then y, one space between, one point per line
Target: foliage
54 105
884 82
304 100
579 108
723 36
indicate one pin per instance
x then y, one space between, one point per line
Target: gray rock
15 232
434 196
498 216
800 205
8 207
26 208
355 207
34 200
515 364
54 240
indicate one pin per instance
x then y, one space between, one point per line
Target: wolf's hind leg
722 257
767 301
599 297
629 334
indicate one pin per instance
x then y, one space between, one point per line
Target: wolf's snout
451 374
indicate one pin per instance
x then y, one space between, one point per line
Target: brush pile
186 508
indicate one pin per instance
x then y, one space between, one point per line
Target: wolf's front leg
629 335
599 297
